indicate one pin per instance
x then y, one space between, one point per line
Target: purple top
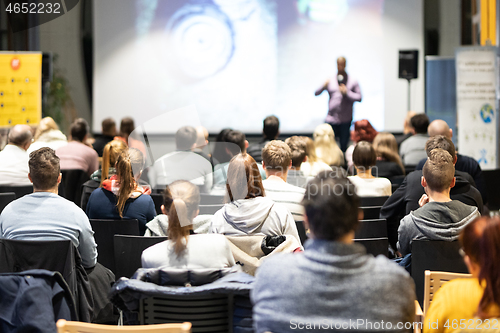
340 106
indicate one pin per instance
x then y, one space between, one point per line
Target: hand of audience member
343 89
398 254
423 200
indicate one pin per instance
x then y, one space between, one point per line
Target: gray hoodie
256 216
435 221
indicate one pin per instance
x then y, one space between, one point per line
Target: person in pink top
76 155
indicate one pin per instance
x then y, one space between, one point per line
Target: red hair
481 242
363 131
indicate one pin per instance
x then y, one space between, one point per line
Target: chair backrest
104 232
71 184
210 209
371 212
434 281
434 256
395 187
5 199
207 313
409 168
375 246
20 191
158 200
372 201
209 199
128 251
371 229
64 326
301 231
492 183
397 180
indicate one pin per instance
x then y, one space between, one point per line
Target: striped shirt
286 194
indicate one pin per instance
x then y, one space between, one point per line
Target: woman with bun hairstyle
327 149
47 134
184 248
312 166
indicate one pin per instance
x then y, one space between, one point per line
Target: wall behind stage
274 73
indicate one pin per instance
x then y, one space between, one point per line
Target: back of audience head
407 123
363 131
185 138
480 241
243 179
442 142
181 201
439 127
20 135
439 171
271 128
201 137
127 126
386 147
419 123
108 126
236 142
331 206
310 150
364 156
219 153
326 146
44 169
276 157
298 147
79 130
46 124
110 154
128 170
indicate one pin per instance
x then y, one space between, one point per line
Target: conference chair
104 231
5 199
128 250
434 256
434 281
71 184
371 212
210 209
158 201
375 228
492 182
64 326
375 246
210 199
372 201
301 230
20 191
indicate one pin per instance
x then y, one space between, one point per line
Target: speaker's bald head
439 127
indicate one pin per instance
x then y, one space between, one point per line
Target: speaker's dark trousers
342 134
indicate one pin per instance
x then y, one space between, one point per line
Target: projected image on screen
235 61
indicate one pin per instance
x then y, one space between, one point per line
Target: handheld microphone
340 78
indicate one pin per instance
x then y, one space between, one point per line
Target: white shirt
14 166
371 187
287 194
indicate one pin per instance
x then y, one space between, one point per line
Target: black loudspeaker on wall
408 64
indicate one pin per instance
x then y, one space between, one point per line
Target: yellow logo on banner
20 88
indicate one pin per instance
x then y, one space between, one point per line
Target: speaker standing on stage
343 91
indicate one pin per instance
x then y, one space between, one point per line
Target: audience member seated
76 155
110 155
412 150
14 158
201 147
121 196
476 299
220 154
44 215
184 249
333 282
407 128
464 163
298 148
184 164
276 160
439 217
234 144
405 199
270 131
127 127
47 134
363 131
388 161
249 211
108 126
367 185
312 166
327 149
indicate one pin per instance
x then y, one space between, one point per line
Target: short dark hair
185 137
331 205
271 127
298 146
420 122
108 126
127 126
442 142
277 155
79 129
44 168
236 138
439 170
364 155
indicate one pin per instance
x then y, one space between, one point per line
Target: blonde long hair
128 166
310 150
327 149
182 200
46 124
386 147
110 155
